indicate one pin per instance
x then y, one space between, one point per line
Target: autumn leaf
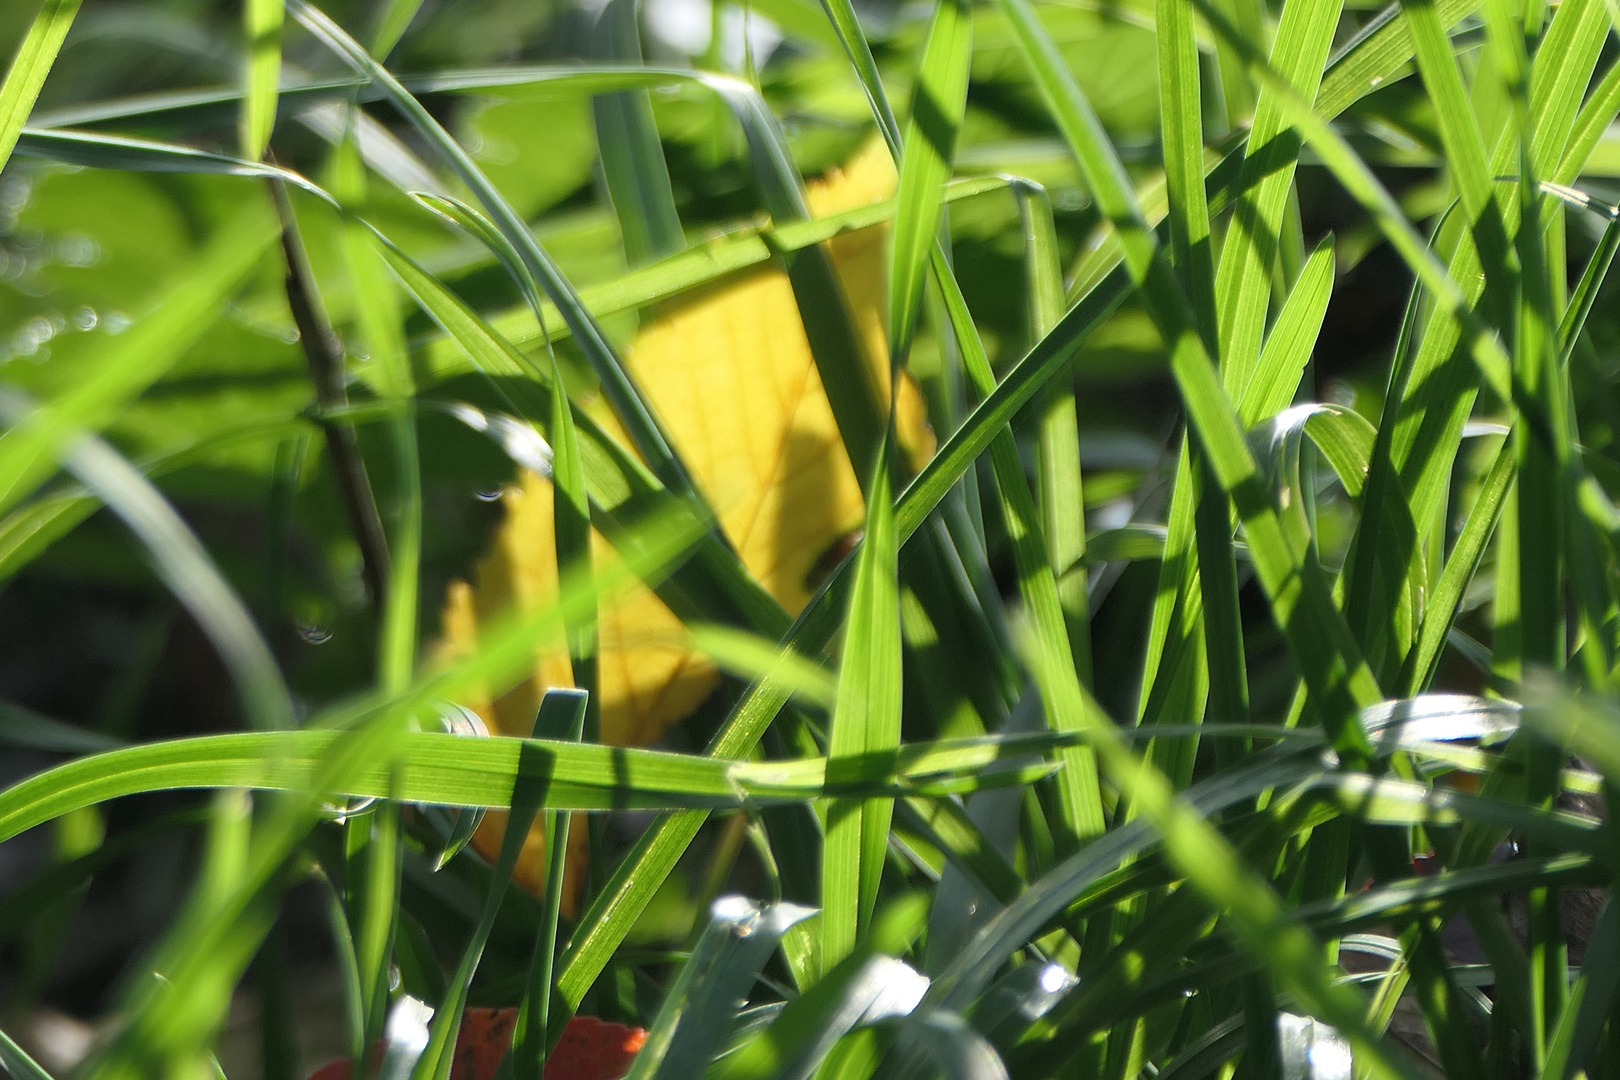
729 371
590 1049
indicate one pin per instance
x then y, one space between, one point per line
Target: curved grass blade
702 1004
449 770
628 404
192 576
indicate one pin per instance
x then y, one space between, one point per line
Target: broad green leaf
123 367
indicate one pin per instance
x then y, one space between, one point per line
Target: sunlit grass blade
1465 153
1291 339
1338 677
261 26
30 67
735 251
1057 465
452 770
938 102
1460 567
1243 284
1375 53
391 26
1078 793
865 724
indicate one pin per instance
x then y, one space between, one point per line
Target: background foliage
1274 497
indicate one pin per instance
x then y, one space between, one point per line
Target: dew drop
86 318
489 494
315 635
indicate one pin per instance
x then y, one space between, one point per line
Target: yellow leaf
730 374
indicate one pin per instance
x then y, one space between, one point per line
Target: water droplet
86 318
116 322
315 635
78 250
490 494
289 335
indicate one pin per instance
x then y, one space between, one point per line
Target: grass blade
938 103
30 67
261 25
1057 466
190 574
1339 678
865 724
632 156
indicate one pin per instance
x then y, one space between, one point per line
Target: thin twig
324 350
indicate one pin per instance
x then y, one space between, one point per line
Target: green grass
1229 589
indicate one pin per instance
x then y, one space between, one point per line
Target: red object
590 1049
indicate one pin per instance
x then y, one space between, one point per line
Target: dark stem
324 351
